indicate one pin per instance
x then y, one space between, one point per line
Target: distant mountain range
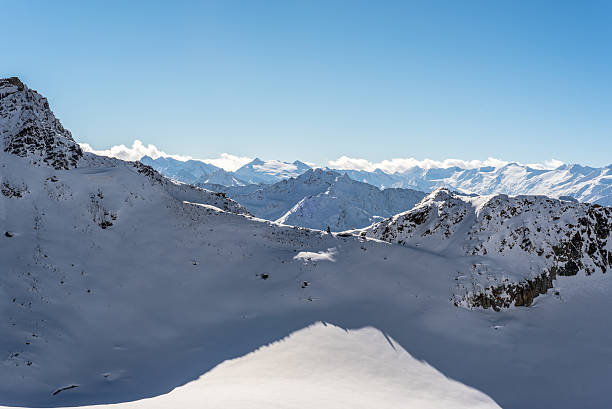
586 184
583 183
198 172
321 198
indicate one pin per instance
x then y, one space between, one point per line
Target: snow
192 171
318 256
320 198
270 171
583 183
322 366
130 286
524 237
206 206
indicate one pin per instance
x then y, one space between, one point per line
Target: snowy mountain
197 172
270 171
583 183
271 201
278 376
119 285
529 241
320 198
192 171
29 128
347 204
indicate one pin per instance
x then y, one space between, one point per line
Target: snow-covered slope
270 171
320 198
272 201
347 204
119 285
530 240
339 363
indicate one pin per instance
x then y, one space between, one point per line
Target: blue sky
517 80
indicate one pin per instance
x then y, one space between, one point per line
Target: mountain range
321 199
197 172
583 183
122 286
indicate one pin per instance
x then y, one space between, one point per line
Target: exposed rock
551 237
29 128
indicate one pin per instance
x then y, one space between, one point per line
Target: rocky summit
29 128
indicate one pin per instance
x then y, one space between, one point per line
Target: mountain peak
301 165
29 128
12 81
440 194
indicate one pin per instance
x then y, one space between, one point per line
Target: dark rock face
101 215
517 294
556 237
13 81
12 191
585 251
148 171
54 151
29 128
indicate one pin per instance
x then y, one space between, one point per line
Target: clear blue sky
517 80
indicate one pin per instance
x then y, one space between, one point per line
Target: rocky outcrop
546 237
518 294
11 190
29 129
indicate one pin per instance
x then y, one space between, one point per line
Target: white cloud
139 149
403 164
232 162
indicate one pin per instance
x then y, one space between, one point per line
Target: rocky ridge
29 128
528 242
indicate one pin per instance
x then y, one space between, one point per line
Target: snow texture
120 285
338 363
322 198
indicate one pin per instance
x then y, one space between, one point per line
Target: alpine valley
432 288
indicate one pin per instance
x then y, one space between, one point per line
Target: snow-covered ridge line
586 184
533 238
400 165
321 199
